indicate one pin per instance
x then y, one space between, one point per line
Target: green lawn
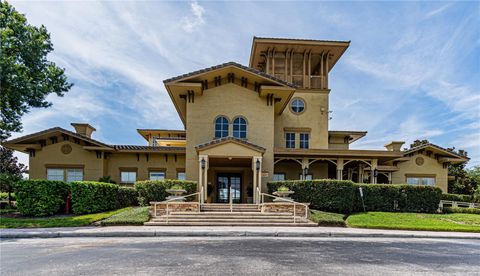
57 221
327 219
416 221
135 216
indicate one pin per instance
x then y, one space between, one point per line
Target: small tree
10 171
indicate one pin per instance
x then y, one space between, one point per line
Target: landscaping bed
56 221
327 219
416 221
133 216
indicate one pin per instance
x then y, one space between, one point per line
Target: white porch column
257 178
389 177
373 167
360 173
340 168
203 176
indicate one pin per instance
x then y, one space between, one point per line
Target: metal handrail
287 200
167 213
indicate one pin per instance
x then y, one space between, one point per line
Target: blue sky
412 69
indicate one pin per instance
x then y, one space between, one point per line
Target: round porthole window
297 106
419 161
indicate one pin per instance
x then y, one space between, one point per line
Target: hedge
127 196
343 196
449 210
325 194
4 196
40 197
155 190
457 197
93 197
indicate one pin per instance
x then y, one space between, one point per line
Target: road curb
233 233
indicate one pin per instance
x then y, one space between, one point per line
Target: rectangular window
181 176
290 140
278 176
307 177
74 175
156 175
128 177
428 181
56 174
304 140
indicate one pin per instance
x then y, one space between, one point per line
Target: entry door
227 182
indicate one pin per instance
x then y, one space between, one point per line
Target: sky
412 70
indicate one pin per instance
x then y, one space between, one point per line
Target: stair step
228 220
278 224
226 217
228 213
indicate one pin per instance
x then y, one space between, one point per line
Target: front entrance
229 184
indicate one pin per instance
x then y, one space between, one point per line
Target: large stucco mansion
244 126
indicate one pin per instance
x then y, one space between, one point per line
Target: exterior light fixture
375 173
305 172
203 163
257 165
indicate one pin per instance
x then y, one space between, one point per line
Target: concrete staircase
220 215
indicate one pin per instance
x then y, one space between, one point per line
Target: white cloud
191 22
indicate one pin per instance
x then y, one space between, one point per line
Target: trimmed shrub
93 197
449 210
40 197
325 194
344 197
457 197
127 196
155 190
4 196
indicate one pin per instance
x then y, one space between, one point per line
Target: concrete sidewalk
220 231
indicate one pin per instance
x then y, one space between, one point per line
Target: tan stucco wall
311 118
430 167
229 100
156 162
51 156
337 143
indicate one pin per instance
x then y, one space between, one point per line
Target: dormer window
221 127
240 128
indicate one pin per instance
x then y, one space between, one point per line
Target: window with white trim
128 176
290 140
304 140
56 174
74 174
240 128
156 175
417 180
278 176
181 176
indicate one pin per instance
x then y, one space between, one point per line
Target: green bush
154 190
342 196
40 197
4 196
476 194
127 196
457 197
325 194
93 197
448 210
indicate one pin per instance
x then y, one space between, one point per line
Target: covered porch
229 171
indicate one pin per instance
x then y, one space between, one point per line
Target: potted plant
176 192
283 192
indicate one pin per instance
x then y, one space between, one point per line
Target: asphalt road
239 256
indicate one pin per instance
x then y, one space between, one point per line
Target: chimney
83 129
394 145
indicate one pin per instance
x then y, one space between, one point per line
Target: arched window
240 128
221 127
297 106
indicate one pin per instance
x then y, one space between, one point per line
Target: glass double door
229 184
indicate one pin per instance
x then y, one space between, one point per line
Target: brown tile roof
230 138
301 39
246 68
55 129
147 148
419 147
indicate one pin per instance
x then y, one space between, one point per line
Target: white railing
168 201
262 201
458 204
